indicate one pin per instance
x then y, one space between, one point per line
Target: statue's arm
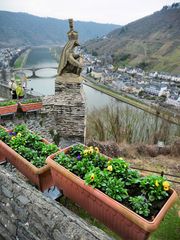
76 55
73 61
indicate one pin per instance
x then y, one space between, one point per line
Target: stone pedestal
69 83
68 109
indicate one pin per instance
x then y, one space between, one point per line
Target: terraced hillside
152 42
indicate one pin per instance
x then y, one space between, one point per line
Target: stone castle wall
26 214
62 118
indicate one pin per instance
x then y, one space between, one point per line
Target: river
37 58
135 124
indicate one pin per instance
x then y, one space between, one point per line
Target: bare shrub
129 125
148 150
108 148
175 148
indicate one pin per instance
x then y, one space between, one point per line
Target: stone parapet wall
36 122
5 91
67 87
70 116
67 107
61 120
26 214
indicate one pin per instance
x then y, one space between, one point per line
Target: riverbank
153 109
21 60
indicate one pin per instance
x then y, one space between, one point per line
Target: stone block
23 233
8 224
23 200
8 193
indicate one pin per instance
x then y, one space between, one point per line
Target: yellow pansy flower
166 185
92 177
13 137
156 183
91 151
96 149
85 152
19 134
110 168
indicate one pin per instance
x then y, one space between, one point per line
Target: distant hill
17 29
152 42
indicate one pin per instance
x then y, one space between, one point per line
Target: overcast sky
103 11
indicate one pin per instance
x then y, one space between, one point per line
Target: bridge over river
33 71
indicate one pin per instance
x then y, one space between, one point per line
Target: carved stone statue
70 62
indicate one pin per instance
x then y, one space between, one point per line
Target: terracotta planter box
27 107
2 156
123 221
41 177
5 110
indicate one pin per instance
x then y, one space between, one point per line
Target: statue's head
76 44
72 35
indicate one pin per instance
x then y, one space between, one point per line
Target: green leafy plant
90 153
28 144
97 178
155 187
140 205
115 178
74 164
132 177
119 166
7 103
115 188
20 128
4 135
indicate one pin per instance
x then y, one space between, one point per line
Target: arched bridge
33 70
